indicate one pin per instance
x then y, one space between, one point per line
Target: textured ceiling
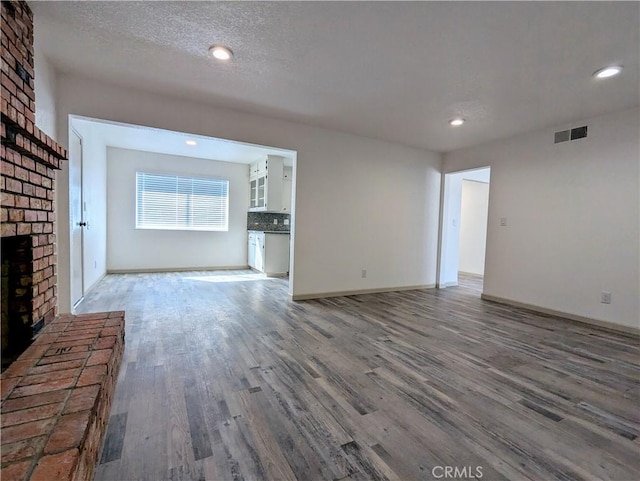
391 70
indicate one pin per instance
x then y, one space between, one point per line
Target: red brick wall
29 160
17 59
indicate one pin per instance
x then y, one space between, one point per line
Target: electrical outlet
364 273
275 221
605 297
286 222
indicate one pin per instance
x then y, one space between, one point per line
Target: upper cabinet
268 179
259 168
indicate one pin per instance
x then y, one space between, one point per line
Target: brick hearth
56 399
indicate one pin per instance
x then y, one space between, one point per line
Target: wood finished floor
225 378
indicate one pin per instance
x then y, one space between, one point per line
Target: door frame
450 214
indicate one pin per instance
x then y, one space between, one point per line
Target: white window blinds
181 203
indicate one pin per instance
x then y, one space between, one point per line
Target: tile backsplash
264 221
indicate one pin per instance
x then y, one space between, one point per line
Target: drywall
473 226
359 203
46 120
572 212
45 87
129 248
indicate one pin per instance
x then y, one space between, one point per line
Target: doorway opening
465 210
153 200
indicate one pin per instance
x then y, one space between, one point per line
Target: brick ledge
56 399
30 141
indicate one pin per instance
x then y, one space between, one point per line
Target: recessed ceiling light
456 122
191 142
607 72
220 52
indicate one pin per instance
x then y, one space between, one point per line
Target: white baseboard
474 274
86 291
176 269
276 274
605 325
95 283
320 295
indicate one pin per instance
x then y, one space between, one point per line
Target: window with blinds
181 203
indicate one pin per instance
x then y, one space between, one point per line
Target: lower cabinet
269 253
251 250
259 264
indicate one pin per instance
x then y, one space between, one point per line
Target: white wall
46 120
45 88
359 203
572 214
129 248
473 226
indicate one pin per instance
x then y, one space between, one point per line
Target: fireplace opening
17 296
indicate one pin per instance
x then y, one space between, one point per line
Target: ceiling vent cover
562 136
579 133
573 134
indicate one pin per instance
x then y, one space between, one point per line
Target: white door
75 217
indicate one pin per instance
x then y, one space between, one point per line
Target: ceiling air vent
579 133
573 134
562 136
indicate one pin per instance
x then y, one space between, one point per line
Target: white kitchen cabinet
253 199
258 168
269 253
251 250
276 254
259 263
266 179
287 192
287 188
263 164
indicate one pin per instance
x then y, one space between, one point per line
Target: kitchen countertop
271 231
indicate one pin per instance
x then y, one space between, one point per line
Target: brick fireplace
30 159
60 372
